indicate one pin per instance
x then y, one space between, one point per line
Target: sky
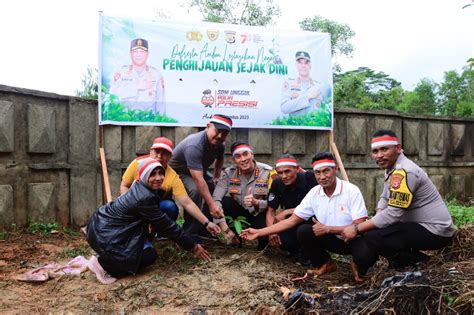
47 45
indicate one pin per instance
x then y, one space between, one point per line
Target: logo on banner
207 99
230 37
212 34
194 35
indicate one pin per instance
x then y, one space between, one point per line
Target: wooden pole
335 151
105 176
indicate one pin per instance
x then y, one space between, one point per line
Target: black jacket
115 230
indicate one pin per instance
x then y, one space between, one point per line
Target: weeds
81 250
42 228
3 235
461 214
69 231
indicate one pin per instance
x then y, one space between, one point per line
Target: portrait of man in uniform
301 95
139 86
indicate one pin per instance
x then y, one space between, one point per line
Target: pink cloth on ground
74 267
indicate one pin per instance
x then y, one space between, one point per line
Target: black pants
149 256
233 209
316 247
392 241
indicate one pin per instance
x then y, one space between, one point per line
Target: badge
295 95
341 208
400 195
212 34
271 197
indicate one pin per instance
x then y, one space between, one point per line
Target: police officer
287 192
411 215
301 95
139 86
243 188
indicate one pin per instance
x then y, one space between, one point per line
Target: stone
7 217
457 140
82 140
41 202
41 129
411 137
440 183
356 134
457 186
84 187
294 142
144 136
182 132
261 141
112 142
435 138
7 126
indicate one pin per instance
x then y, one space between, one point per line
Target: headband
322 163
383 141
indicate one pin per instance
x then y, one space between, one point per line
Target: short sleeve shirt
290 197
172 184
195 153
345 206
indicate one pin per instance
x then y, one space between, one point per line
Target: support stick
105 176
335 151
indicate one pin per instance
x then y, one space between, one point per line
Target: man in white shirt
334 204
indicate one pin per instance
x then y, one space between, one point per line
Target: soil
237 281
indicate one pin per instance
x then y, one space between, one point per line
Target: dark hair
384 132
237 143
323 156
286 156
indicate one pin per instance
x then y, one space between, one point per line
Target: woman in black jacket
116 230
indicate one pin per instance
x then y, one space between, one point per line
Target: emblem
194 36
230 37
212 34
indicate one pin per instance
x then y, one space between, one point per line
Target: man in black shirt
286 192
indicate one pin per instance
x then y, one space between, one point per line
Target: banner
179 74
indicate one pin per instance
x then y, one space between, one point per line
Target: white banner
179 74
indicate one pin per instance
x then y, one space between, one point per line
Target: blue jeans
170 208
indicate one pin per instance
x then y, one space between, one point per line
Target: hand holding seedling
213 228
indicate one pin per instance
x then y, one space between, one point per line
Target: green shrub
461 214
321 118
42 228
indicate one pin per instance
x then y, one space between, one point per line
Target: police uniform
294 99
232 188
139 89
413 217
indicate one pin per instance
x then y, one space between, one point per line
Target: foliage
71 252
238 223
321 118
422 100
180 222
70 231
89 89
3 235
42 228
456 93
113 110
246 12
340 33
461 214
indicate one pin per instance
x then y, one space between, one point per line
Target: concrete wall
50 170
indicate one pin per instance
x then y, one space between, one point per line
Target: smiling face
156 178
386 156
287 174
304 67
139 57
215 136
244 161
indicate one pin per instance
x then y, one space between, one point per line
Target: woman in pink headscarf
116 230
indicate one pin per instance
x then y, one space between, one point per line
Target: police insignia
400 194
212 34
271 196
295 95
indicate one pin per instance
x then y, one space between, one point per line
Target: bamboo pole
335 151
105 176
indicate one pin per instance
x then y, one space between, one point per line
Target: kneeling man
333 205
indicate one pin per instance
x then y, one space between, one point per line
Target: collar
256 171
337 191
397 165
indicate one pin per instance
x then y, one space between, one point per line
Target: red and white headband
323 163
146 166
286 162
383 141
221 120
241 148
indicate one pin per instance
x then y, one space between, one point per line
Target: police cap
139 43
302 55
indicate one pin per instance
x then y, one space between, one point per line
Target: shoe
103 276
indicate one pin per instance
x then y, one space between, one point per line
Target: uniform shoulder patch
400 195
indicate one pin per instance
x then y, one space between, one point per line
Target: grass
42 228
321 118
71 252
461 214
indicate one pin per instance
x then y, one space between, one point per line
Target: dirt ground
237 281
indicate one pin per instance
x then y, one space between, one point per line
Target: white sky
47 44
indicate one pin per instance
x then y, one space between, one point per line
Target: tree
247 12
340 33
456 93
89 84
422 100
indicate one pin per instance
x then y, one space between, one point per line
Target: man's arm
218 169
320 229
203 189
251 234
195 212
